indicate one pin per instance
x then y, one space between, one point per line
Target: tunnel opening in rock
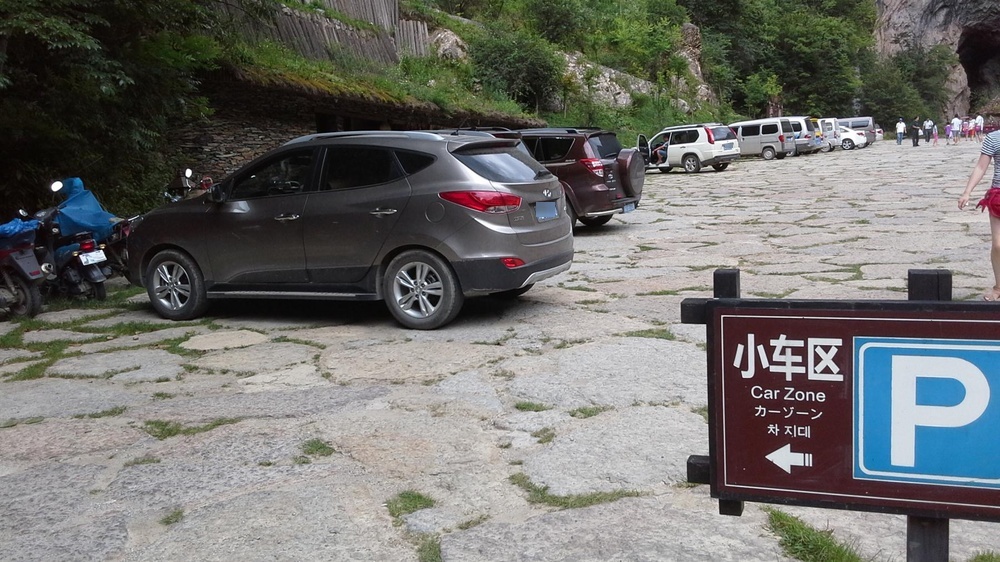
979 54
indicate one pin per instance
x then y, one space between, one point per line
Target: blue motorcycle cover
17 232
82 212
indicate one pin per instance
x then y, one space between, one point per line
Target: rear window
796 126
786 126
549 149
501 164
753 130
769 129
605 145
723 133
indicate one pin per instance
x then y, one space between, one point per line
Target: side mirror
215 194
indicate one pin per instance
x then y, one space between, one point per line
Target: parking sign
884 406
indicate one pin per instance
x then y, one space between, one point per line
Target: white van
806 139
865 125
829 130
771 137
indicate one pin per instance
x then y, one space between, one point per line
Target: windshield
502 164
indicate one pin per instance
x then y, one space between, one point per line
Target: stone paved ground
81 478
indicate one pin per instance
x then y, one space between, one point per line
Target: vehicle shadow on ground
476 310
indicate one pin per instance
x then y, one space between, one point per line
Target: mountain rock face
970 27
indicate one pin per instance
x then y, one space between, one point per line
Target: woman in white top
991 201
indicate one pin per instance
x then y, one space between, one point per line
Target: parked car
771 137
807 141
600 177
851 138
417 219
829 129
866 125
691 147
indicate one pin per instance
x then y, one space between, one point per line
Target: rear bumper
481 276
724 159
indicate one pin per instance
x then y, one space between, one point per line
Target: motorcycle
75 263
182 187
20 272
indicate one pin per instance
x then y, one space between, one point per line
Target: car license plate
727 146
546 211
628 208
90 258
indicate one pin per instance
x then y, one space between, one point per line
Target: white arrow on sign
786 459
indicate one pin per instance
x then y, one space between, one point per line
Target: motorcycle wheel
29 298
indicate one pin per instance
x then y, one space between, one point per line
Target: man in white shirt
979 127
900 131
928 128
956 126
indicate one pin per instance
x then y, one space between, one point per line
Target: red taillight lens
711 137
88 245
511 263
484 201
781 138
594 165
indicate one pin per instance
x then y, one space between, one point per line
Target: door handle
286 217
382 212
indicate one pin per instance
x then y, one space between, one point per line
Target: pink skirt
991 201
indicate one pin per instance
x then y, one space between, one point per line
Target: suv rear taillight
594 165
711 137
492 202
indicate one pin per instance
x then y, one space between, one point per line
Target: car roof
565 131
430 136
674 127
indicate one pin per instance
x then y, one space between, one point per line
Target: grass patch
407 502
701 411
988 556
174 516
116 411
317 448
578 288
563 344
162 395
657 333
429 549
531 407
473 522
145 459
544 435
301 459
538 494
660 293
805 543
588 411
162 429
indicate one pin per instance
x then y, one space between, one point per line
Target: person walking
978 124
991 201
965 128
915 131
934 133
947 134
928 125
900 131
956 127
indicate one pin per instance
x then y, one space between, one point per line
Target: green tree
761 89
88 87
889 95
517 63
558 21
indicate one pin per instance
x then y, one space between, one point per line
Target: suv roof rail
565 130
383 134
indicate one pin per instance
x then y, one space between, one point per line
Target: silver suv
691 147
416 219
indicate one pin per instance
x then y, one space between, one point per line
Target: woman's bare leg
995 257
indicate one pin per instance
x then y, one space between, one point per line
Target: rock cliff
970 27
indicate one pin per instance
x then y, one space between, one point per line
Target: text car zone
416 219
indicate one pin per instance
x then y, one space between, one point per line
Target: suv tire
665 169
175 286
692 164
421 290
632 171
720 167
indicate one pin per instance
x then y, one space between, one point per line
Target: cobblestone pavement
125 437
